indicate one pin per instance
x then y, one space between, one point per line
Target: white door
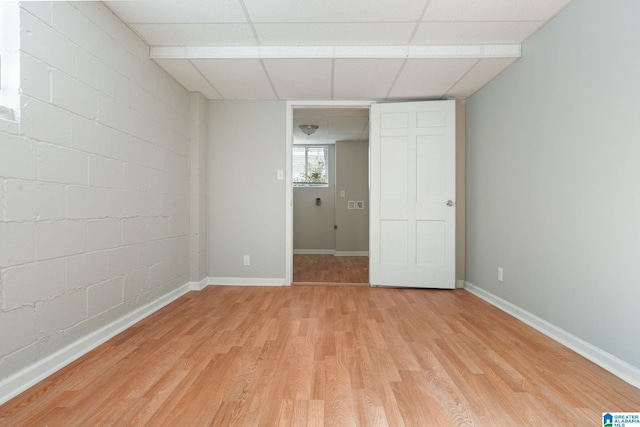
413 194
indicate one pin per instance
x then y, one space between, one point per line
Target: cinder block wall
94 182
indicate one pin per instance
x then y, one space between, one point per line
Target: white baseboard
22 380
611 363
198 286
314 251
352 253
459 284
329 252
247 281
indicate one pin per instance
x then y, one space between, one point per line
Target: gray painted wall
352 174
247 202
313 225
553 177
199 183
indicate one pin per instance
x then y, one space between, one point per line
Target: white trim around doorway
289 179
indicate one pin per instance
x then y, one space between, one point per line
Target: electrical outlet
247 260
351 204
500 274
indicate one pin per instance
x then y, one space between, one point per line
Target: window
9 60
310 166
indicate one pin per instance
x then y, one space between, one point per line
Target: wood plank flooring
332 356
330 269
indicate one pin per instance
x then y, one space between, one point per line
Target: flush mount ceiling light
308 129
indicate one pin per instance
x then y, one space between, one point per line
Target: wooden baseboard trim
611 363
22 380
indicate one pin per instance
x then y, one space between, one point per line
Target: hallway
330 269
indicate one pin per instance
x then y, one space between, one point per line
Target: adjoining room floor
330 269
326 355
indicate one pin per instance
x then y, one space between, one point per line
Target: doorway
330 193
401 248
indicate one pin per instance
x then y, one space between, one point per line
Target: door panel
395 120
393 162
393 242
412 179
430 154
427 119
430 241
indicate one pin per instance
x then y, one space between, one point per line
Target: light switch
280 175
341 193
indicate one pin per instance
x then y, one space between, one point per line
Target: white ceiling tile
479 75
236 78
335 124
186 74
171 11
347 126
334 10
318 120
300 33
196 34
364 78
300 79
429 78
493 10
340 34
448 33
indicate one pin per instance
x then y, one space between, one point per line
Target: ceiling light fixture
308 129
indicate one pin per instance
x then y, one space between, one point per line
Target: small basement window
310 166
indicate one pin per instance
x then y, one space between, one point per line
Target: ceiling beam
336 52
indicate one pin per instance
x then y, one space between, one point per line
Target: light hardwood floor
320 355
330 269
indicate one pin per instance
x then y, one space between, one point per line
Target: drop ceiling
334 124
335 49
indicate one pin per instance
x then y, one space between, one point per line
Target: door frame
288 268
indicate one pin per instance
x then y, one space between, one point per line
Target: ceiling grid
332 49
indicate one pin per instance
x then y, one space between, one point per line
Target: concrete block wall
94 182
199 184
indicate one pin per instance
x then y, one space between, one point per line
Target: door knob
450 203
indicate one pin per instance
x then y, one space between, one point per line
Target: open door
412 211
